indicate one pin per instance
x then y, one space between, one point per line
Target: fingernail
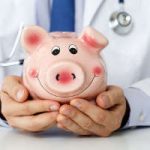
20 94
54 107
77 104
105 100
66 112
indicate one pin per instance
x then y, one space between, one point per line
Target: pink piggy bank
62 66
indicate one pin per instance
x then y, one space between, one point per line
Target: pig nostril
57 77
73 75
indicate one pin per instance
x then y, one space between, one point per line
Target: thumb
13 86
109 98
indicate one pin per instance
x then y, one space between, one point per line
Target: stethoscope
120 22
7 61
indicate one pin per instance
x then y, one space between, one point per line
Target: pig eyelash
73 49
55 50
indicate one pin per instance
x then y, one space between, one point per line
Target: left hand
84 118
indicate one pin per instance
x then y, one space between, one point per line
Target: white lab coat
127 57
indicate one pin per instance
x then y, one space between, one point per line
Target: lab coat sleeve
143 85
3 123
138 98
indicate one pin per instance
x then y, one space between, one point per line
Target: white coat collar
91 7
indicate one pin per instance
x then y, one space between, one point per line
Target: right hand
29 115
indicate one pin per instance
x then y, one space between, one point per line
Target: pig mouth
76 94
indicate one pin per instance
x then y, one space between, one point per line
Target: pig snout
65 77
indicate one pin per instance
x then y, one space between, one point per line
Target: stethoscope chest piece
121 22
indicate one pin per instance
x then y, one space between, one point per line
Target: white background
134 139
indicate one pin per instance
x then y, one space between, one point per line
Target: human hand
84 118
24 114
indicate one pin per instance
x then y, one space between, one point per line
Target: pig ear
32 37
93 38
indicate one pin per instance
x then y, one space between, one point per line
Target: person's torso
126 57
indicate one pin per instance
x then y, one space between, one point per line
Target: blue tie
63 15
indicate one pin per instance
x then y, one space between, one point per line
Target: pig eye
55 50
73 49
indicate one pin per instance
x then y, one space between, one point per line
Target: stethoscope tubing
13 63
7 62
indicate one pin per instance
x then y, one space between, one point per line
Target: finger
59 125
116 102
82 120
30 107
118 113
98 115
14 87
70 125
34 123
110 98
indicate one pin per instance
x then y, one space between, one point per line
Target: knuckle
41 105
116 125
4 111
113 124
10 85
100 118
67 122
27 108
73 113
88 125
119 91
6 80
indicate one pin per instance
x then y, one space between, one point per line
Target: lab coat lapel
91 7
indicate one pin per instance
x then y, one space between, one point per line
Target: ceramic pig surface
61 65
